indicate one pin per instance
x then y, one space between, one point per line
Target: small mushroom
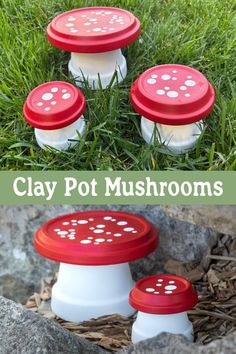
55 109
95 36
162 302
173 99
94 249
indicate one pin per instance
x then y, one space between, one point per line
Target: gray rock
167 343
24 332
221 218
21 268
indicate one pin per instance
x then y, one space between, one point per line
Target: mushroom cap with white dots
54 105
93 30
173 94
96 238
163 294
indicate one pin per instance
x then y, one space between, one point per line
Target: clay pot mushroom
55 110
94 249
162 301
95 36
173 100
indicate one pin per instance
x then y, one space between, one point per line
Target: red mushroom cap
96 238
173 94
54 105
163 294
93 30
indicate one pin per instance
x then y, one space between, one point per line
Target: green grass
191 32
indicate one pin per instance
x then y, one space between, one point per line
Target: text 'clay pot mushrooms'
95 36
55 109
174 99
162 302
94 249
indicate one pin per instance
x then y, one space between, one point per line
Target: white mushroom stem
85 292
92 66
59 138
178 138
149 325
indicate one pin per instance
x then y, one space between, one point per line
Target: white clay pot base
99 67
85 292
178 139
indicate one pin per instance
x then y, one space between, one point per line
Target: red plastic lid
93 29
173 94
96 238
54 105
163 294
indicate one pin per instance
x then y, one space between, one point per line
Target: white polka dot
160 280
87 24
64 90
111 29
166 88
69 25
171 282
73 220
117 235
74 30
91 219
108 233
90 238
57 230
134 232
40 104
103 31
47 109
53 103
156 292
88 31
190 83
107 218
168 292
96 243
100 240
47 96
74 224
160 92
100 226
113 220
122 223
71 230
172 94
183 88
63 233
189 77
170 287
174 71
82 222
150 290
73 19
65 223
165 77
85 242
109 240
154 76
54 89
174 78
159 284
93 19
187 95
97 29
151 81
128 229
66 96
98 231
108 12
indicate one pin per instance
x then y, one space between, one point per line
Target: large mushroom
95 36
94 249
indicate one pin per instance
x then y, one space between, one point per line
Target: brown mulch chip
213 317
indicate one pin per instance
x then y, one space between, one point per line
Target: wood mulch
213 318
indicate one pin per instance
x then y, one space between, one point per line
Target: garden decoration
94 249
95 36
162 302
173 100
55 109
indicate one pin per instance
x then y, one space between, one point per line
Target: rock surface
166 343
24 332
21 268
221 218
